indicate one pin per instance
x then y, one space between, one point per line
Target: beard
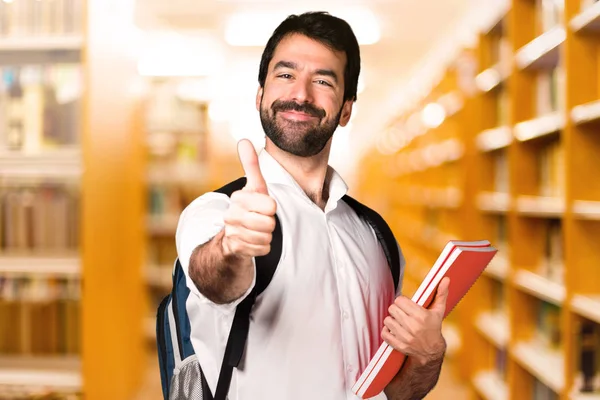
300 138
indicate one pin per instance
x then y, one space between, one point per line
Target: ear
346 113
259 94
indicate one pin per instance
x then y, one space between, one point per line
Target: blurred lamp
255 28
433 115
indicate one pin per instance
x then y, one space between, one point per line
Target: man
331 300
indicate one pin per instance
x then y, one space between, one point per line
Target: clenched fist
250 219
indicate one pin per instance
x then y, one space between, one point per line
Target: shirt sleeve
199 222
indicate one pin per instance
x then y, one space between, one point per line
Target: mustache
307 108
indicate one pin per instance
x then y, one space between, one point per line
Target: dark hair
331 31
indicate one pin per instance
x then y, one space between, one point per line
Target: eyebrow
292 65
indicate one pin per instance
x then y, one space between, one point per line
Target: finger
255 181
396 328
248 236
237 216
441 297
393 341
409 306
243 249
256 202
400 317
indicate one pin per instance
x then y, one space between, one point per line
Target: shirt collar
274 173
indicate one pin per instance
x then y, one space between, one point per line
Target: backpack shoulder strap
384 235
265 269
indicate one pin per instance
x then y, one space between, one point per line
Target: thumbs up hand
250 219
416 331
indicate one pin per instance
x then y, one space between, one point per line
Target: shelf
490 386
586 209
497 268
178 173
453 338
489 79
494 326
541 52
493 22
585 113
493 202
68 267
586 306
584 396
60 163
587 20
41 373
159 276
44 43
545 364
540 287
539 127
162 225
541 206
494 139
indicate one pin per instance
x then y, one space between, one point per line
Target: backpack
181 374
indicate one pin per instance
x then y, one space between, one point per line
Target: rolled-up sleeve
199 222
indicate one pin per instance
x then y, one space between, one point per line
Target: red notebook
463 262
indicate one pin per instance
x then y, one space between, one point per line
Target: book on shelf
501 53
548 331
549 14
39 315
501 171
502 102
551 169
463 262
500 362
587 378
550 94
39 218
542 392
552 266
40 106
499 303
501 242
35 18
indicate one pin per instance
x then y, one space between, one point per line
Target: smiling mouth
296 115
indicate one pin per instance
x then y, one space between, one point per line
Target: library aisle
479 120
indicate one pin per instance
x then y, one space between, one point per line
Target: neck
311 173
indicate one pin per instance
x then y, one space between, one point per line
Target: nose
302 91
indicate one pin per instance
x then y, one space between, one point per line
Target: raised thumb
249 160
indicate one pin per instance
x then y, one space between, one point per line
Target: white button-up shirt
318 323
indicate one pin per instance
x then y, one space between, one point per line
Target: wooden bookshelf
71 173
528 184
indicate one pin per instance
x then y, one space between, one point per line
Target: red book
463 262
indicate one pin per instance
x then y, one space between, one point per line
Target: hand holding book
459 265
416 331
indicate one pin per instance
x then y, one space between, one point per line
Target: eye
285 76
323 82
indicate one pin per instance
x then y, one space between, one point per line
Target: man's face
302 101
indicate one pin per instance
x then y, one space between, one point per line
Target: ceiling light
255 28
433 115
170 54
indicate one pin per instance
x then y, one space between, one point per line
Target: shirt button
350 368
345 315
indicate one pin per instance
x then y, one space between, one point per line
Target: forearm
415 381
220 278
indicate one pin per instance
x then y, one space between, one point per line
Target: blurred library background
474 120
